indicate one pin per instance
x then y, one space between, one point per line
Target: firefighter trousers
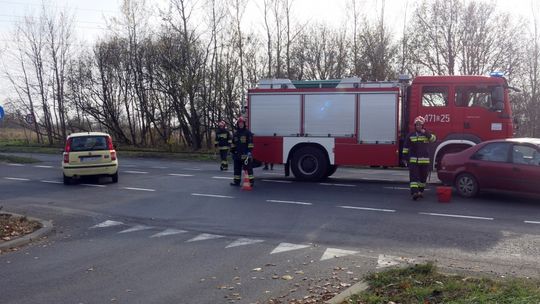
418 175
239 165
223 155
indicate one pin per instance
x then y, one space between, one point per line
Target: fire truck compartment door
377 121
329 114
276 114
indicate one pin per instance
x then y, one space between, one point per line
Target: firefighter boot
415 196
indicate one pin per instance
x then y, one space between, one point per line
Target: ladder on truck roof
353 82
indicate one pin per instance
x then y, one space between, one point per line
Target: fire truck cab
315 126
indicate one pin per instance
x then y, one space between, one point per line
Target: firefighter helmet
221 124
419 119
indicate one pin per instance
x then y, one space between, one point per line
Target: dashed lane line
17 179
289 202
135 172
367 208
532 222
93 185
192 169
51 182
42 166
16 165
211 195
160 167
204 236
337 185
138 189
180 175
277 181
222 177
458 216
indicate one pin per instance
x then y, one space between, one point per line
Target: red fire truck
315 126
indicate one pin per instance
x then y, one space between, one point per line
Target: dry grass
14 134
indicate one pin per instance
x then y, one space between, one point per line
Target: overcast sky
90 15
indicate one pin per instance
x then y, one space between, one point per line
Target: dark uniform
242 144
223 143
416 149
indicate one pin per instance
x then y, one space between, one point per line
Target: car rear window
88 143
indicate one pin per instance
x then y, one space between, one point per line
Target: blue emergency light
496 74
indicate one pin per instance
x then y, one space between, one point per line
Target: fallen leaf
287 277
257 269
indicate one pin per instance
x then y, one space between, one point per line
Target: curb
342 297
46 228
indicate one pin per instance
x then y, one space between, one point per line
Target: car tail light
111 148
67 148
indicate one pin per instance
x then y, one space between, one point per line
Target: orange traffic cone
246 185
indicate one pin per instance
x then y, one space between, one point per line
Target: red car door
491 166
525 173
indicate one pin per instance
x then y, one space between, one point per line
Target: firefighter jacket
242 142
223 139
416 147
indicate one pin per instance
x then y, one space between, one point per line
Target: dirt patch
12 227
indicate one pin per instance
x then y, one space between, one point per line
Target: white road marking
17 179
167 232
136 228
531 222
180 175
211 195
331 253
289 202
338 185
94 185
277 181
47 167
389 260
367 208
222 177
242 242
138 189
158 167
107 223
136 172
288 247
272 173
16 165
51 182
192 169
204 236
458 216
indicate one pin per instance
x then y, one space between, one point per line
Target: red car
511 164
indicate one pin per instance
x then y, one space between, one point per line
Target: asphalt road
176 232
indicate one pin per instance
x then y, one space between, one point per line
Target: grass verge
424 284
17 159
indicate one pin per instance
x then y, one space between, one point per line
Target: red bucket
444 194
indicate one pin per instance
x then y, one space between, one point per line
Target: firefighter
242 144
416 149
223 143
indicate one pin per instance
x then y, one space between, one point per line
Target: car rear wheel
115 177
67 180
467 185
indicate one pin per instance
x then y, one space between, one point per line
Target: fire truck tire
331 170
310 164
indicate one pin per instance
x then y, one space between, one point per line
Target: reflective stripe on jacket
416 147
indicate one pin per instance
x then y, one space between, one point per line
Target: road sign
1 112
29 118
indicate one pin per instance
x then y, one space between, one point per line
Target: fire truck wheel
309 163
331 170
467 185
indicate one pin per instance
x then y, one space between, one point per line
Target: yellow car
87 154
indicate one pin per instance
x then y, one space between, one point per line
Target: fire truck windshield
485 97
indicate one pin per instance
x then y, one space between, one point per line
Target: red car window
495 152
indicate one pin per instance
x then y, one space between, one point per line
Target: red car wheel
467 185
